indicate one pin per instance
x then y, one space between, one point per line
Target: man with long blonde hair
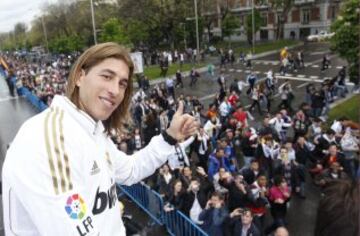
61 171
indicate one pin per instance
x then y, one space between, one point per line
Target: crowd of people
236 170
44 78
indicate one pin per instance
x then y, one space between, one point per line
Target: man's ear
80 78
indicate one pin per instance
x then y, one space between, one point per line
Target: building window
332 12
305 16
242 20
264 19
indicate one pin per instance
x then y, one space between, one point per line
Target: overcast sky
14 11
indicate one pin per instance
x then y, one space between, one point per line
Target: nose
113 88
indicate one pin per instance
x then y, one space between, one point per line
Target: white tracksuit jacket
60 172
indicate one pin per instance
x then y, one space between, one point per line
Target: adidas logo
95 169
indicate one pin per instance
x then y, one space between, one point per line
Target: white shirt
180 152
60 174
224 108
195 211
241 84
337 127
169 82
209 127
203 143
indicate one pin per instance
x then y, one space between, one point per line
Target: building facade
304 18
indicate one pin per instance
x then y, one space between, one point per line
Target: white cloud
15 11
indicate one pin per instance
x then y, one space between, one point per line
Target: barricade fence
177 224
23 91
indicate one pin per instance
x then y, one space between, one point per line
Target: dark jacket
249 175
252 231
303 154
236 197
213 219
206 188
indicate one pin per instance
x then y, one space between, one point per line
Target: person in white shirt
179 158
225 109
61 170
212 128
241 84
279 124
202 151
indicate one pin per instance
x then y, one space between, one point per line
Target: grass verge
349 108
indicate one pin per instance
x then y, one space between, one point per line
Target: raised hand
182 125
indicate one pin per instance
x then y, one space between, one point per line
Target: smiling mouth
107 102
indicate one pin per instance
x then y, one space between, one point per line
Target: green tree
137 32
346 39
66 44
281 8
229 25
162 19
248 25
113 31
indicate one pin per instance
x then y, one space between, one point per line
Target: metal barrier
147 199
152 203
22 91
179 224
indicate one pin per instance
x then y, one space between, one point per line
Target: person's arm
132 169
219 215
204 214
187 142
32 186
272 121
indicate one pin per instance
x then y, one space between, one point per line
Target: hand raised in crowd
201 171
182 125
208 204
236 212
279 200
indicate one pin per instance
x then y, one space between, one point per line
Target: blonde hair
92 57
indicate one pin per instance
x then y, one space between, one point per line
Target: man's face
220 153
102 89
262 181
187 171
195 186
246 218
216 200
230 135
254 166
333 150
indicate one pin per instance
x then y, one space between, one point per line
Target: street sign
137 59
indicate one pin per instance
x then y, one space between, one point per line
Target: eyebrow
113 74
108 71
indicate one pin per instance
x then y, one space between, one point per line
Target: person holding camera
214 215
241 223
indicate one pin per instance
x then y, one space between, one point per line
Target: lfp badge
75 207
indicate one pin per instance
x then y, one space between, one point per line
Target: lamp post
185 44
197 31
253 26
93 20
45 33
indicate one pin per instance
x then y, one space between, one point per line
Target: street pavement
302 213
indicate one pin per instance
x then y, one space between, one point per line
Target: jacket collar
86 121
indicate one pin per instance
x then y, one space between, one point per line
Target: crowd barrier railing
152 203
22 91
147 199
